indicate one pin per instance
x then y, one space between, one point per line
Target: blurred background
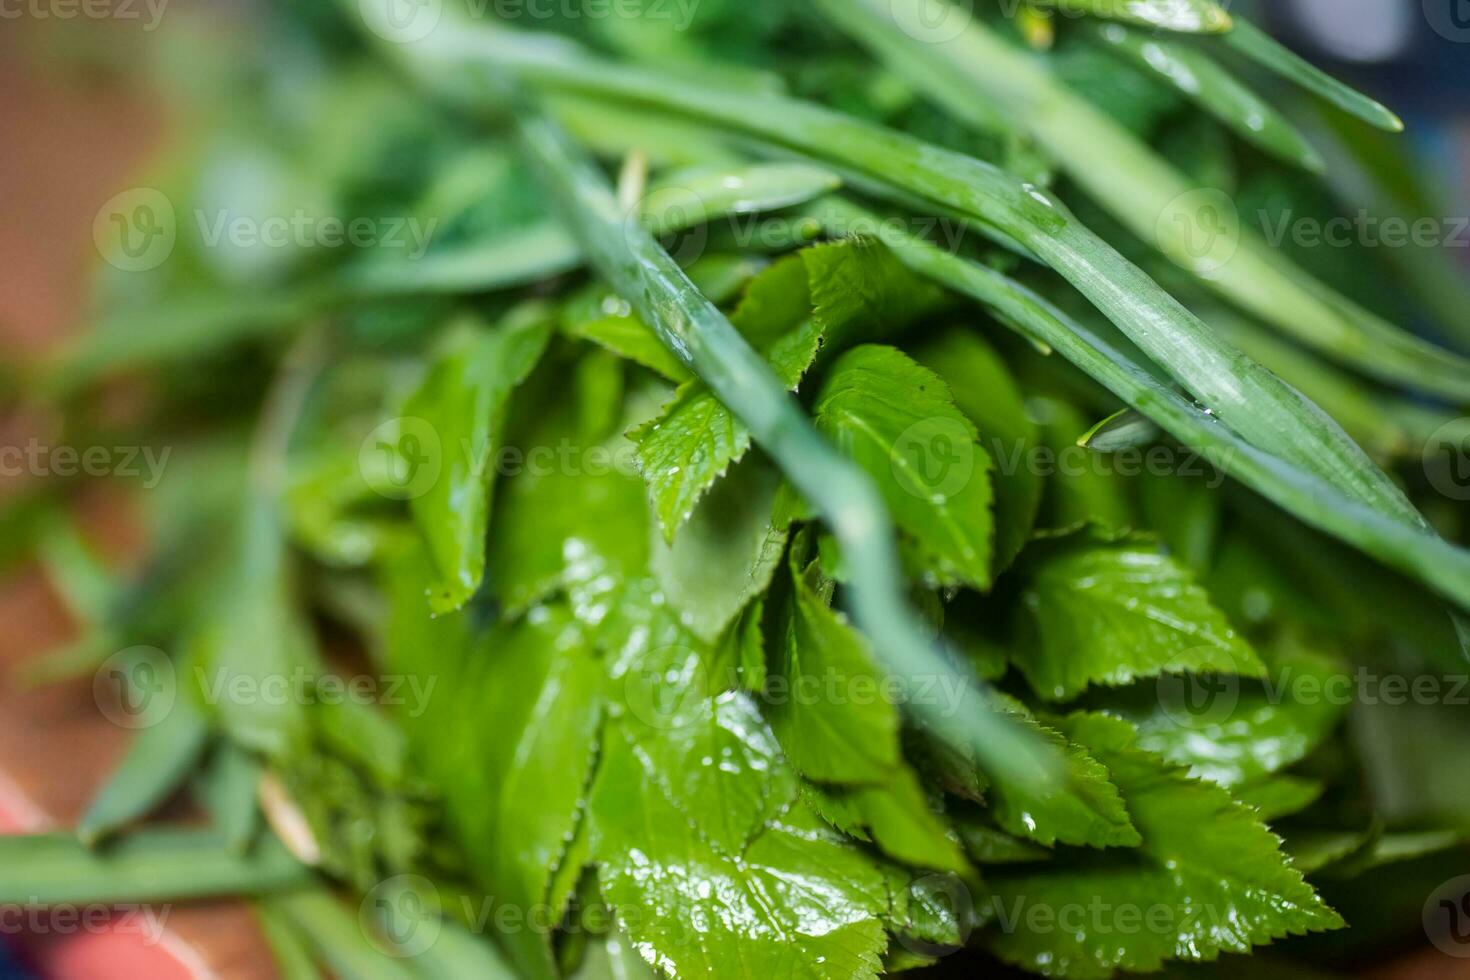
89 91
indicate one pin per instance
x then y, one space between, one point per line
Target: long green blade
1266 51
159 760
1198 228
1252 400
149 865
1192 71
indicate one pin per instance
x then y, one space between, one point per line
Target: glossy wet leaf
1188 16
461 411
899 422
1109 612
1233 730
826 923
1255 44
1211 869
725 554
817 661
984 390
1191 70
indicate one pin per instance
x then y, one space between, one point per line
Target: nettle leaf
817 662
695 438
1207 878
900 818
1096 611
574 523
515 794
827 704
726 553
462 402
898 421
789 311
985 391
797 903
1233 731
708 748
1082 806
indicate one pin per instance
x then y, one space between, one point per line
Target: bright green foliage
464 401
1108 612
1208 871
754 617
899 422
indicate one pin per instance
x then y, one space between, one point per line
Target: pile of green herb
797 490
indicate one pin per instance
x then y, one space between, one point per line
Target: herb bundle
808 492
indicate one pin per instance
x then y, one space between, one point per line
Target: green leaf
1210 874
147 865
515 795
1279 796
725 554
789 312
900 818
696 438
157 763
898 421
754 784
462 403
990 845
1192 71
985 391
1261 48
288 947
567 528
797 903
1081 806
338 938
830 737
251 637
1188 16
228 788
1102 612
1232 731
411 928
